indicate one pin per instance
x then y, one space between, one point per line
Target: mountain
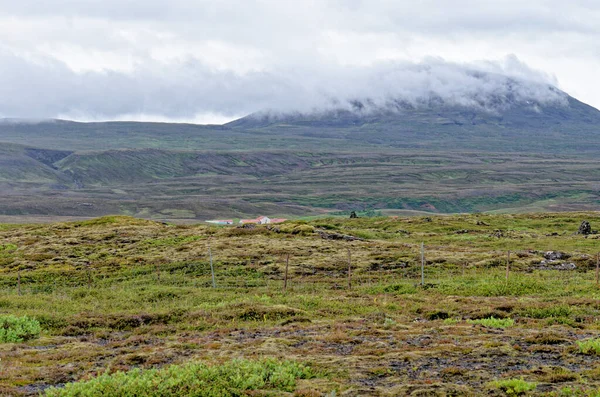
507 153
515 126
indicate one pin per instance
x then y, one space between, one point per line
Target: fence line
184 274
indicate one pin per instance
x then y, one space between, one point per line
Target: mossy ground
119 293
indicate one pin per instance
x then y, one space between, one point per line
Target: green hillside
436 158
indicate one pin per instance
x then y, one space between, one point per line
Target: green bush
494 322
234 378
547 312
514 387
589 346
15 329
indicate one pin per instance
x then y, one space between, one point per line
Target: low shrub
547 312
234 378
15 329
589 346
494 322
514 387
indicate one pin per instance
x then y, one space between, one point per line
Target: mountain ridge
438 158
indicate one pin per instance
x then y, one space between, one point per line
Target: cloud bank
45 88
198 60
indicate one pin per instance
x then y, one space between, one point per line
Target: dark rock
556 255
553 265
585 228
497 234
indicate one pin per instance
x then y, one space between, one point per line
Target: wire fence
286 272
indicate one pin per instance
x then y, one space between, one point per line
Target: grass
117 294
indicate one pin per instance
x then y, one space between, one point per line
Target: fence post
349 270
19 281
422 264
212 270
89 275
507 264
157 272
287 265
597 269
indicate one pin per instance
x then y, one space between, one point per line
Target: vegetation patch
589 346
15 329
494 322
235 378
514 387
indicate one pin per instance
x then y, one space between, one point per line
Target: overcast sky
212 61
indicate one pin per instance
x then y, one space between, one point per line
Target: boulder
556 255
585 228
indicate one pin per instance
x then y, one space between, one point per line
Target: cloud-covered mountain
184 90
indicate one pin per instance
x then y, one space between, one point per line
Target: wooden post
89 275
19 281
157 272
212 270
422 264
507 264
598 270
349 270
287 265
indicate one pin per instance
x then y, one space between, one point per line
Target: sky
213 61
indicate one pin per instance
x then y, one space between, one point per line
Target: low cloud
42 87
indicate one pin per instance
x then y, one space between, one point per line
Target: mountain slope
520 127
23 166
510 154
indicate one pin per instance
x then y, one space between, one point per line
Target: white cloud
180 58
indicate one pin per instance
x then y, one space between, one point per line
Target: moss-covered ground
118 294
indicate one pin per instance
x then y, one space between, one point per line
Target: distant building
261 220
221 222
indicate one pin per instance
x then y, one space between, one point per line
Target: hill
512 154
570 127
